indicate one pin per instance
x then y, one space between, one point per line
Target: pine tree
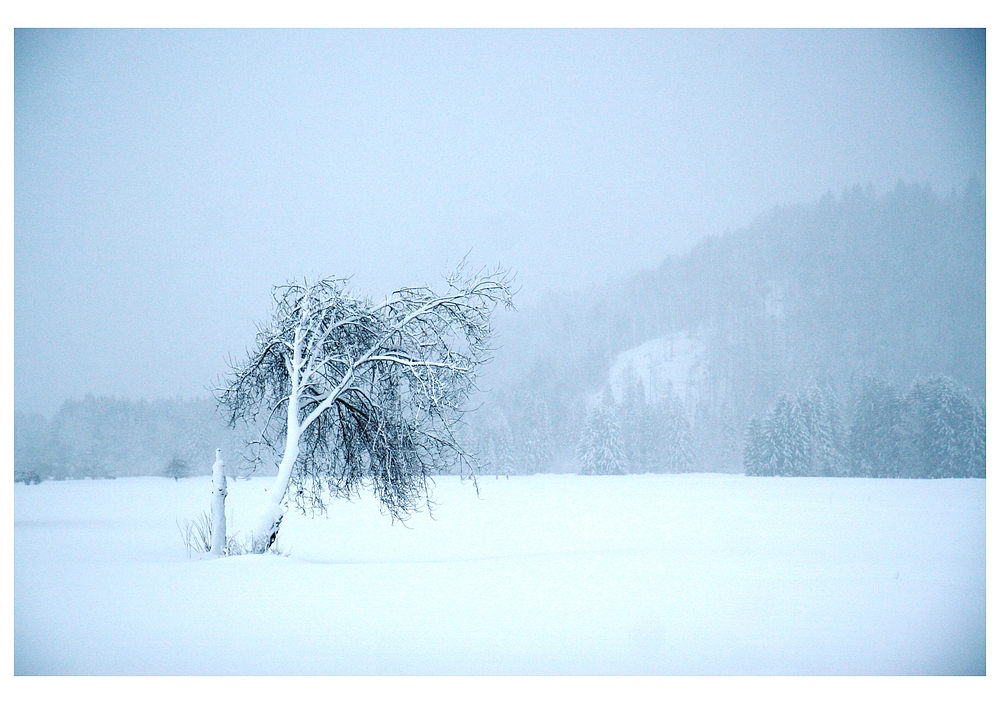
537 447
785 443
977 467
636 432
730 441
824 435
601 450
947 429
754 464
876 441
676 441
785 439
498 449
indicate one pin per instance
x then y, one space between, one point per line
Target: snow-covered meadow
547 574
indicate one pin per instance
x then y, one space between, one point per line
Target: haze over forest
164 181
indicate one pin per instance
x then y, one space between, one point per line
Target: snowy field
550 575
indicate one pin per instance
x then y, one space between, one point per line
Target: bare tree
352 393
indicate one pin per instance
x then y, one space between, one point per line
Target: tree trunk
218 506
270 520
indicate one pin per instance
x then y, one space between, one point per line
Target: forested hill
893 285
842 305
890 285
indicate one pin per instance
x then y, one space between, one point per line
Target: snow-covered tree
947 429
655 434
729 441
673 442
101 436
801 436
352 393
176 468
935 430
754 463
536 440
34 448
600 450
497 444
786 439
824 432
875 440
638 426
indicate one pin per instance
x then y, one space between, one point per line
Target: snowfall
701 574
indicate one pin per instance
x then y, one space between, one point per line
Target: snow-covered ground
673 362
652 574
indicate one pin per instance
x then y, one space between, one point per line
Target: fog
165 180
756 253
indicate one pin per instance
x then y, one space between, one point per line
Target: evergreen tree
801 436
601 450
537 448
497 448
876 442
786 445
637 430
729 456
754 464
676 442
655 436
936 430
947 429
978 463
824 433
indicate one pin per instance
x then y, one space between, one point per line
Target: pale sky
165 180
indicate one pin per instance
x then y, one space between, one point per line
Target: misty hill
892 286
889 287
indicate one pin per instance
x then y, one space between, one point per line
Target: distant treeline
110 437
892 285
934 430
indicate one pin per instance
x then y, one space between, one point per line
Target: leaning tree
352 393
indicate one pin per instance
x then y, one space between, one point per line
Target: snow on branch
368 393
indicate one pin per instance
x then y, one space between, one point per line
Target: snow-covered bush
197 534
197 538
